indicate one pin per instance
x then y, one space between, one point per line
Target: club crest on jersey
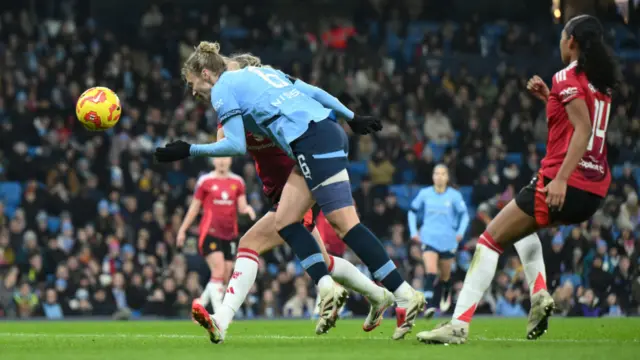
233 187
568 92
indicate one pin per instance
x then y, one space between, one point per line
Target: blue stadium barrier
514 158
467 195
541 147
472 212
393 43
408 49
617 171
357 170
629 54
438 151
405 194
11 196
234 33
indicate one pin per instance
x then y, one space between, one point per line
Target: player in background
444 223
573 179
221 194
265 101
273 167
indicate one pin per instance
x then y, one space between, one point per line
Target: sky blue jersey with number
445 216
268 102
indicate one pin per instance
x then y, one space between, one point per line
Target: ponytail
596 59
206 56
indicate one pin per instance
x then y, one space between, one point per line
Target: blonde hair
246 59
206 56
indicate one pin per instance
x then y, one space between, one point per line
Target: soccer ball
98 109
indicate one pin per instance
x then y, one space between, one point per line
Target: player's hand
364 125
251 213
458 238
416 238
538 88
173 151
182 236
556 191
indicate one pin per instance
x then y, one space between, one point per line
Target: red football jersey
592 173
219 197
272 164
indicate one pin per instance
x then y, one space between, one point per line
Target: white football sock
316 308
205 297
403 295
242 279
215 289
351 278
529 249
478 279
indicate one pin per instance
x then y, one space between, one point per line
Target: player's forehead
441 170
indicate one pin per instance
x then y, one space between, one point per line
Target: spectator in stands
586 306
7 289
51 308
301 304
26 301
509 304
629 217
437 127
381 171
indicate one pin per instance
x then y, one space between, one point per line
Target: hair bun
208 47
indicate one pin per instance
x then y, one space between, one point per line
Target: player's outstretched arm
234 142
327 100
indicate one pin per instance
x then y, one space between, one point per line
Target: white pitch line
288 337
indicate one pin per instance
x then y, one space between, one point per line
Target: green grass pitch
491 338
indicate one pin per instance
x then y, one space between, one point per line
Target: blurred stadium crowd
88 221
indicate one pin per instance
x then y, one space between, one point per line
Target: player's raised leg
324 167
295 201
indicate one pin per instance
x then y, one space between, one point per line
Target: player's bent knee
260 241
511 224
282 221
343 220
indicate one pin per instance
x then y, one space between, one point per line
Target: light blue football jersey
445 215
268 103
